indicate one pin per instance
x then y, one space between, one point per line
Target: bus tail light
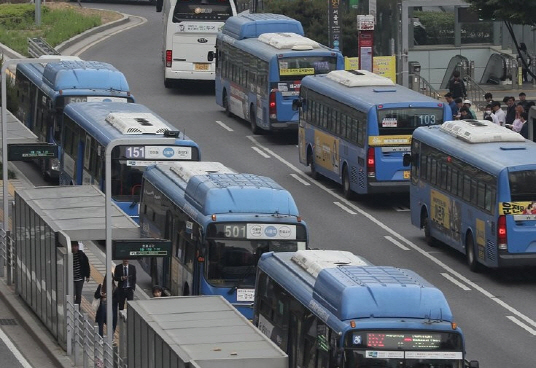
371 163
272 105
501 233
169 57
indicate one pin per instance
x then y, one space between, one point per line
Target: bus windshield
295 68
126 180
206 10
405 121
522 186
232 261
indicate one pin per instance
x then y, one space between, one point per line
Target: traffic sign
30 151
137 248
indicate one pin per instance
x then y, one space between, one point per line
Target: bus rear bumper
292 125
516 260
189 75
388 187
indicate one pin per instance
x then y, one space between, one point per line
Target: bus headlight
54 164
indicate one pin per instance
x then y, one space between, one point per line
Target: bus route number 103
427 120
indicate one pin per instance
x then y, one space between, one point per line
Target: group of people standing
514 118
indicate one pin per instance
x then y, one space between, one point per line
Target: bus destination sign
23 152
136 248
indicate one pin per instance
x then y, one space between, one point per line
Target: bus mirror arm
297 103
406 160
472 364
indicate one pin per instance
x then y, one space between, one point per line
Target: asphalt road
495 309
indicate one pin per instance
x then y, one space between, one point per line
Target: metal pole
6 64
108 215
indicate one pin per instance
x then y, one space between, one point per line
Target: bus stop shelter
45 221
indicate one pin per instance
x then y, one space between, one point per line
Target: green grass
17 24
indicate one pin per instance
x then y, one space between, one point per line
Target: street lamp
5 65
108 208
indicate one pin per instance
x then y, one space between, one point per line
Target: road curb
27 319
90 32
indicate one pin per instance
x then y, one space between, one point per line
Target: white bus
190 29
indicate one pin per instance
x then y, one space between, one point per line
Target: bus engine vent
288 41
136 123
188 169
358 78
315 261
480 131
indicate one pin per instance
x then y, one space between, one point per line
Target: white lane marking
261 152
340 205
22 360
141 20
455 282
522 325
400 237
304 182
396 242
224 126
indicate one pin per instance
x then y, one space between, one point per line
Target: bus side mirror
159 4
296 104
406 160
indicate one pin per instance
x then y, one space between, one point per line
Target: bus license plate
406 174
198 66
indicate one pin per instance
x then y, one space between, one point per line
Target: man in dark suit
125 275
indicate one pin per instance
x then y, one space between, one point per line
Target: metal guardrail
475 93
38 47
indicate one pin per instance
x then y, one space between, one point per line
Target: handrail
421 85
38 47
475 93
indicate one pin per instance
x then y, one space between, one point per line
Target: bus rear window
522 186
405 120
202 10
295 68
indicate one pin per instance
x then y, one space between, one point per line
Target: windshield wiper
249 270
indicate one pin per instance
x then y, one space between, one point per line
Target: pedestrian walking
456 86
498 114
103 297
125 275
81 270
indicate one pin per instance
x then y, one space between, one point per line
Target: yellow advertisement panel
389 140
297 71
480 233
327 151
440 209
517 208
382 65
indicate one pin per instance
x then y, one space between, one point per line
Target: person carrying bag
102 296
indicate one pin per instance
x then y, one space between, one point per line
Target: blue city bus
261 60
473 188
355 127
219 223
44 89
90 126
332 309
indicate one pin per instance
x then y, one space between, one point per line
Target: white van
190 28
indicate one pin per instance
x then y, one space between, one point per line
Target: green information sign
136 248
22 152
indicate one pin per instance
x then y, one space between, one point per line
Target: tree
510 12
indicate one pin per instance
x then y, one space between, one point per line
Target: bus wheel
346 190
253 121
425 221
472 262
226 104
311 161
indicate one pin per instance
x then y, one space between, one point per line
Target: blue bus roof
492 157
75 77
366 97
212 188
346 291
97 119
252 25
